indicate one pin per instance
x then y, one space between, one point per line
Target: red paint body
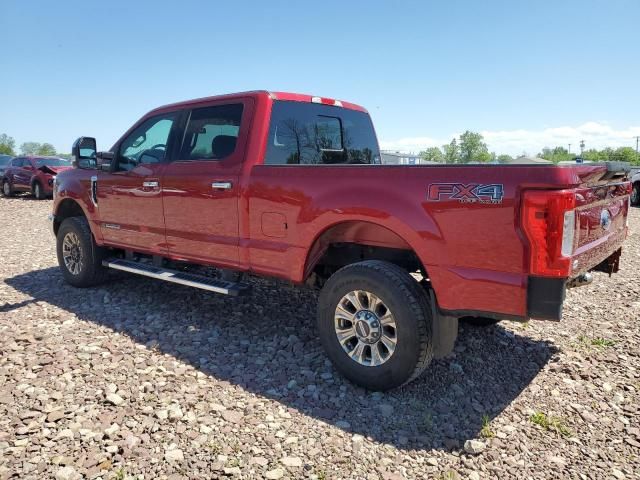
277 220
23 177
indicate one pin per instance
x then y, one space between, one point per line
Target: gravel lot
140 379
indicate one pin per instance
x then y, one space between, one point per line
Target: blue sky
526 74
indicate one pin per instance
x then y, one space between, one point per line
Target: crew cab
32 174
291 186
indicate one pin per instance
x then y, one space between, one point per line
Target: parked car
33 174
290 186
635 194
4 162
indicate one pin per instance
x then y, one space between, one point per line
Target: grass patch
120 474
486 431
602 342
550 423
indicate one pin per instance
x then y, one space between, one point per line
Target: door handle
222 185
150 184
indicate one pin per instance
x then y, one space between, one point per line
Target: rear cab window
302 133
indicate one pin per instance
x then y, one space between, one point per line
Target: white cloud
514 142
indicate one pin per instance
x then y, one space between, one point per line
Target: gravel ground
140 379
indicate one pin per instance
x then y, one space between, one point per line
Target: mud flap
445 330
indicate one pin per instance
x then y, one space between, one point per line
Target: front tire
38 191
635 194
79 258
375 324
7 189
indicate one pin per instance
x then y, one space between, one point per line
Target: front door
129 196
201 185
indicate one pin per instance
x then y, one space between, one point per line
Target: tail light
549 223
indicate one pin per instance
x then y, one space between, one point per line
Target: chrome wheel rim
72 253
7 189
365 328
37 190
634 195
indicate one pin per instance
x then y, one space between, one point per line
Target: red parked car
291 186
33 174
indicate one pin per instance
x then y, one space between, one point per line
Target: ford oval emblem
605 219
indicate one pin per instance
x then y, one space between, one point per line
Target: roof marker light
337 103
316 99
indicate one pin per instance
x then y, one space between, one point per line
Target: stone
115 399
291 462
274 474
67 473
175 455
474 447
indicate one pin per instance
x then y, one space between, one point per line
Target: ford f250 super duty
291 186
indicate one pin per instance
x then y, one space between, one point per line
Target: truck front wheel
375 324
79 257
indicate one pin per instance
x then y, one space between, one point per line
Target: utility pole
637 157
581 148
569 148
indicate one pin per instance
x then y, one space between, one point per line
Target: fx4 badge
471 193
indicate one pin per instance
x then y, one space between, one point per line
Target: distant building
399 158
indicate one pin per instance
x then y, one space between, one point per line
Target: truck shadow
266 343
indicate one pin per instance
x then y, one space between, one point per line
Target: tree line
470 147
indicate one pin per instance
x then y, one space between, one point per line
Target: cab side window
212 132
17 162
147 143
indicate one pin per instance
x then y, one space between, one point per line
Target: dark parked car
32 174
4 163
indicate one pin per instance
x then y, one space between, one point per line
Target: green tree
624 154
472 148
504 158
556 155
432 154
46 149
29 148
451 152
7 144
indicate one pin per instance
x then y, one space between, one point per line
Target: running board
189 279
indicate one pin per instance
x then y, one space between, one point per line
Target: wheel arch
67 208
351 241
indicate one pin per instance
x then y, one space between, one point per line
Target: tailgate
601 223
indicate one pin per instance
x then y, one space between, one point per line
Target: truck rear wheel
79 257
375 324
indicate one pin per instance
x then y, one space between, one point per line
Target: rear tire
38 191
7 189
635 194
383 318
79 258
480 321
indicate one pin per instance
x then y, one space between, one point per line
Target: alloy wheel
72 253
365 328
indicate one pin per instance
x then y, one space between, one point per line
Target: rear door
21 173
201 185
130 195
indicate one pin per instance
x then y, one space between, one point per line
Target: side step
173 276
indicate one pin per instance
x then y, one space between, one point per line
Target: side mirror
104 160
84 152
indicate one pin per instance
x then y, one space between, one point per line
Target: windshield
4 160
52 162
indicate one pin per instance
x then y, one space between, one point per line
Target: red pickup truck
291 186
32 174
